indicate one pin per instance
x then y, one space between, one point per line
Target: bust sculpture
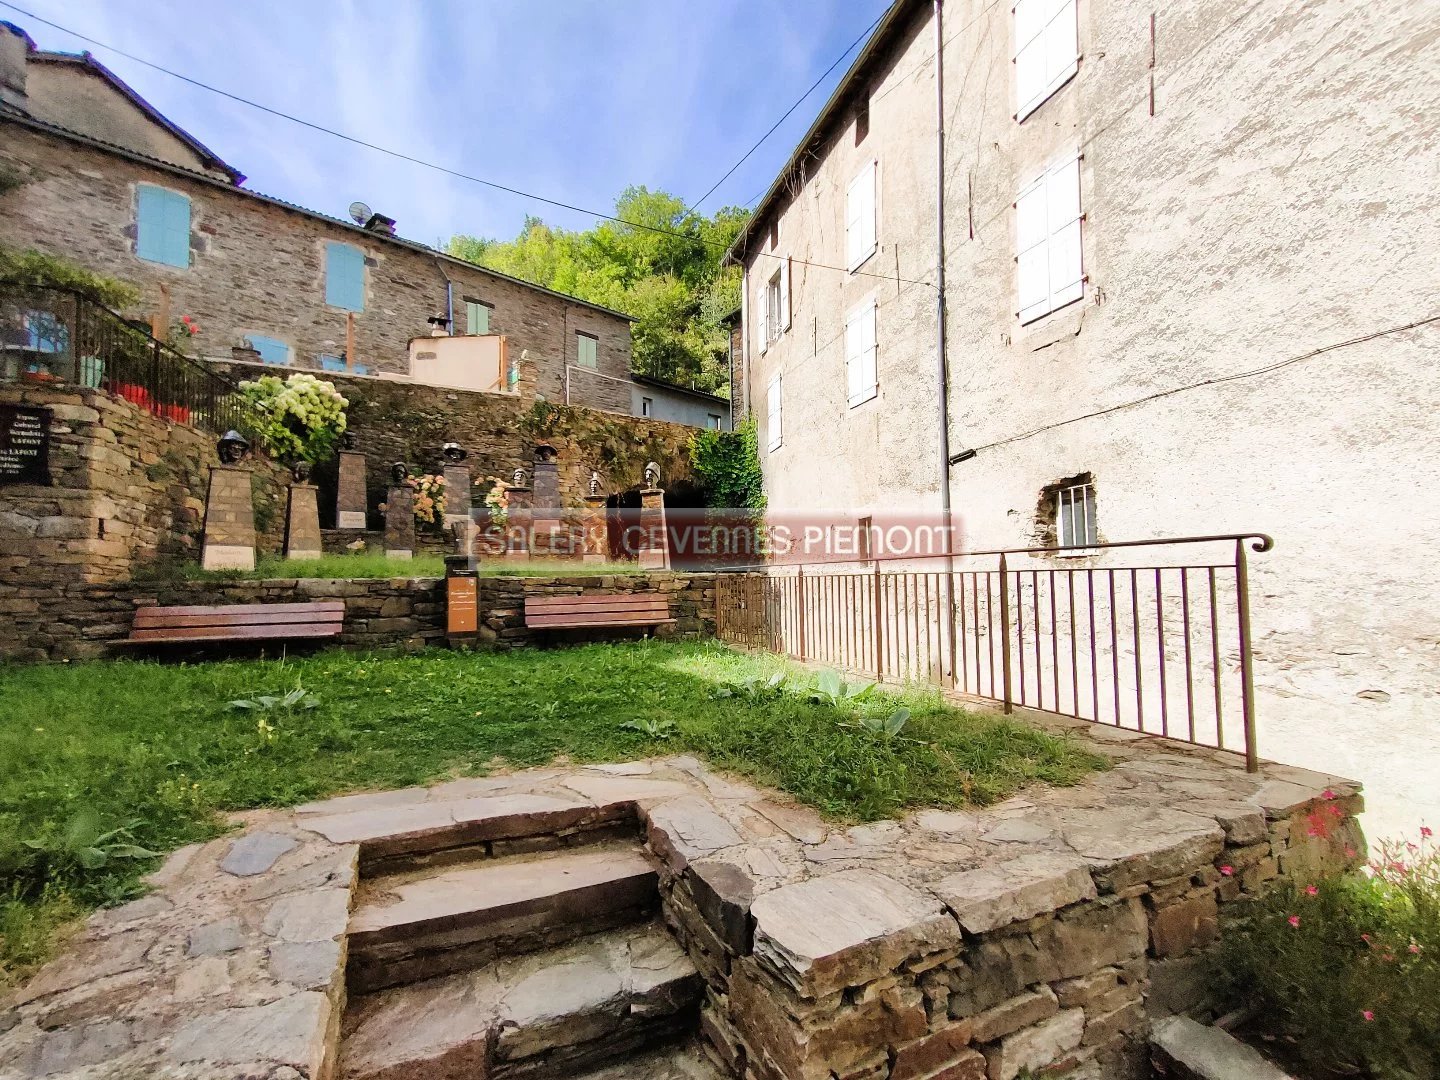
453 452
399 472
232 447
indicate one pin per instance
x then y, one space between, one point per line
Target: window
647 406
777 304
344 276
1047 233
1047 51
1075 517
862 119
712 421
162 226
331 363
774 415
477 316
860 350
585 349
45 333
860 217
271 350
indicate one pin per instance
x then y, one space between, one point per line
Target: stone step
678 1061
572 1007
414 926
1182 1048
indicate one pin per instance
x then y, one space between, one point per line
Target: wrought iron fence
56 337
1151 635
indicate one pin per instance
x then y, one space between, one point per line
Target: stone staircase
494 960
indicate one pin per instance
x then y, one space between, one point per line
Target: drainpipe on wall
449 295
942 376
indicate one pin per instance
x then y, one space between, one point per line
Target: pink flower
1368 1015
1228 871
1327 794
1365 938
1350 852
1294 921
1414 948
1426 832
1311 890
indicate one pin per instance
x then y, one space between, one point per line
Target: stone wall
1037 937
79 621
126 487
257 266
408 422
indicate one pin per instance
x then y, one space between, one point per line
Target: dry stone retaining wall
79 621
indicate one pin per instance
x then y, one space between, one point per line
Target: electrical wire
1215 381
402 156
798 101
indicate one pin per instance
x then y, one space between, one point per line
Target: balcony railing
1153 636
56 337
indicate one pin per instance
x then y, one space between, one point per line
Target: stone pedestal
596 547
229 520
457 494
302 523
350 502
400 522
546 518
655 541
518 520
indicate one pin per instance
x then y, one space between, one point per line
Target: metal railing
57 337
1150 635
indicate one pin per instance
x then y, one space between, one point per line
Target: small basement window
1066 515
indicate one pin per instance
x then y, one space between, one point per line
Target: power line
825 75
1215 381
402 156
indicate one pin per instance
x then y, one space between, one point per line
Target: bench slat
210 633
567 624
587 619
632 610
146 621
593 600
318 607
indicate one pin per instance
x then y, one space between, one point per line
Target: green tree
660 263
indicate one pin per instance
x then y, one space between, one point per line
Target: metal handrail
1009 634
98 348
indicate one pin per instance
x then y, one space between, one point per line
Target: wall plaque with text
24 445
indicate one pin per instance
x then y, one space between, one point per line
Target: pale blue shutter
162 226
344 276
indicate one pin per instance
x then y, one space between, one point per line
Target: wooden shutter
860 350
162 226
762 322
1062 197
775 414
785 294
1032 232
860 217
344 276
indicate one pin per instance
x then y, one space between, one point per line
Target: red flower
1426 832
1294 921
1227 870
1312 890
1368 1015
1327 794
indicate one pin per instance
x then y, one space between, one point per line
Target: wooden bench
237 622
597 612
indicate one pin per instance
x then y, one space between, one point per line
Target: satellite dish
359 212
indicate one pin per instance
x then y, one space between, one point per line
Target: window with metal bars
1075 517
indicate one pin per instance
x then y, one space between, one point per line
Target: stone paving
1044 931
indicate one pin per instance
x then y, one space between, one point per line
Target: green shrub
1348 970
300 418
38 268
728 466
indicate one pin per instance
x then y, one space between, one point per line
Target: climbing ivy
727 464
38 268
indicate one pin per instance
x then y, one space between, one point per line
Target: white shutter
860 375
762 315
1063 205
860 217
1062 46
785 294
1047 50
1049 268
1032 232
1029 55
774 415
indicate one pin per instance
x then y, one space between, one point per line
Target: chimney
381 224
15 45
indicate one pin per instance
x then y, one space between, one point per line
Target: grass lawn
376 565
159 750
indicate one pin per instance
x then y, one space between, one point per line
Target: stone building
1189 263
99 177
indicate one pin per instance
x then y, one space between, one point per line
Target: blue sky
573 99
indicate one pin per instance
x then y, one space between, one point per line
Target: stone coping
234 965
